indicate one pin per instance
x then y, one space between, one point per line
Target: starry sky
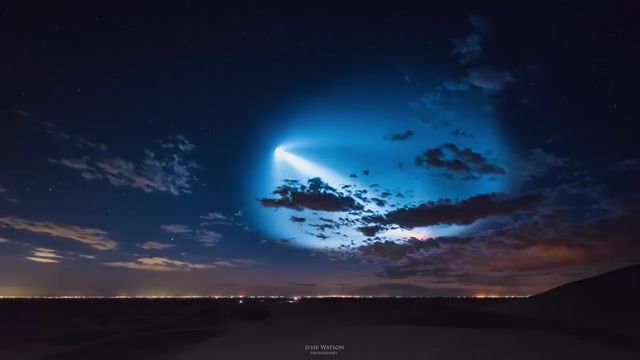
432 149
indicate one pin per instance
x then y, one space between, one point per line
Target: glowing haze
348 141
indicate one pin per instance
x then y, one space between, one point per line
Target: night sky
433 149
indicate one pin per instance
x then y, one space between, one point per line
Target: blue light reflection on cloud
336 137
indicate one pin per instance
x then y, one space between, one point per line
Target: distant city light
274 297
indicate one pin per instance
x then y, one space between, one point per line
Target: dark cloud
390 250
297 219
323 227
516 252
405 135
379 202
464 212
371 230
460 133
316 195
459 160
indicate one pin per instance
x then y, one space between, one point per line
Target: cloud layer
159 264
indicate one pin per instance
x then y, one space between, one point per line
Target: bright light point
279 151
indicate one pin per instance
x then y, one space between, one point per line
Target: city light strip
232 297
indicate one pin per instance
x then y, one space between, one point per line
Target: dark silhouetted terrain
587 319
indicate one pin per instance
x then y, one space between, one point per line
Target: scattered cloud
96 238
167 173
159 264
454 159
170 174
461 134
316 195
218 218
179 142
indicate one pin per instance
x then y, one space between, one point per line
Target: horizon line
295 297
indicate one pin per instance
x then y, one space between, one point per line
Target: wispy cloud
45 253
234 262
208 238
96 238
152 245
218 218
159 264
471 48
176 228
79 142
214 216
45 256
42 260
6 196
405 135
